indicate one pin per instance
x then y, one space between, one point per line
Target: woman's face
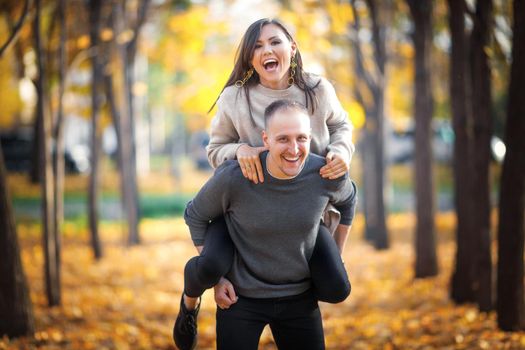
271 57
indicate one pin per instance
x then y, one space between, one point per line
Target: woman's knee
212 268
201 273
336 293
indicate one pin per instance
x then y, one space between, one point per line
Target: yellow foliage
10 103
399 91
194 53
356 114
341 15
129 299
106 34
83 42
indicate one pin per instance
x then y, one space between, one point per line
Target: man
273 227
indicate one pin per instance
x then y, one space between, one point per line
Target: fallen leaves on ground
130 298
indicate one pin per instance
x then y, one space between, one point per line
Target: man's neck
272 169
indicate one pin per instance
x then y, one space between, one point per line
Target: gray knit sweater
273 225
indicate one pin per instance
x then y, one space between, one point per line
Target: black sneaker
185 329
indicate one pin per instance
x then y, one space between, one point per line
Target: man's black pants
295 322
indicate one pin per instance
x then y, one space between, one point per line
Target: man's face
287 137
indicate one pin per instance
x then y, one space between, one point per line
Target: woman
268 67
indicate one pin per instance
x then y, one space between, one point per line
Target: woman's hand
224 294
336 166
250 163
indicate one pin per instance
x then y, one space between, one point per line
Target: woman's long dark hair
243 58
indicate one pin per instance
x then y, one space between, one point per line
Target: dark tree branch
141 19
367 77
17 28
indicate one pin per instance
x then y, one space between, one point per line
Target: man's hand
336 166
248 158
224 294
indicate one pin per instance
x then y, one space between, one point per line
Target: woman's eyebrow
271 38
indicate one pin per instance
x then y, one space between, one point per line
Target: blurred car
197 149
17 147
400 140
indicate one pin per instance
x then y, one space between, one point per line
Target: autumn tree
95 7
462 282
372 83
115 53
129 177
50 169
426 259
511 235
58 136
17 311
482 133
50 242
16 27
472 115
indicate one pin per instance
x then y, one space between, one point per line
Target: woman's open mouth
270 65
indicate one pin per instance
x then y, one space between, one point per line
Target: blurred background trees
124 87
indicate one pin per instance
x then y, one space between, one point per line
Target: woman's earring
240 83
293 65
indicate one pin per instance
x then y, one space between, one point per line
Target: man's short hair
282 105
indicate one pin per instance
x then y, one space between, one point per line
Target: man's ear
265 138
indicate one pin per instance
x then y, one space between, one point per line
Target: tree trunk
36 159
93 195
373 150
426 259
129 66
510 304
123 154
482 127
58 160
17 311
114 105
51 261
462 282
124 125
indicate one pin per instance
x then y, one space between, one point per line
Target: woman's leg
329 277
204 271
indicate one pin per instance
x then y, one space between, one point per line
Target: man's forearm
340 236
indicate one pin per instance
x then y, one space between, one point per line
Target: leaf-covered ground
129 299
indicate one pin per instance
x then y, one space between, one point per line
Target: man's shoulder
229 173
315 161
228 168
313 164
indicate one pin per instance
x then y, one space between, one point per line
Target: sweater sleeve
339 126
224 139
210 203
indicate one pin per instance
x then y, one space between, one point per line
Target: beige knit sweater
231 127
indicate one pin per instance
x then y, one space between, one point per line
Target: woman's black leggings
328 273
